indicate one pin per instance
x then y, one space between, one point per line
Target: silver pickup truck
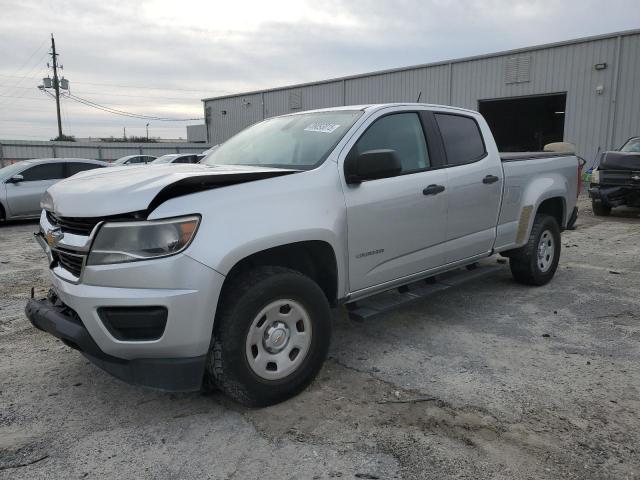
223 273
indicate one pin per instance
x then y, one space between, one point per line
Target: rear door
23 198
395 226
475 187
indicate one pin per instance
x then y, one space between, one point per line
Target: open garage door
525 123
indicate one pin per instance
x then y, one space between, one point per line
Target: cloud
184 51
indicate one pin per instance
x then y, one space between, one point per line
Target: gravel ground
490 380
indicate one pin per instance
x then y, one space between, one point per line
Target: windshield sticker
322 127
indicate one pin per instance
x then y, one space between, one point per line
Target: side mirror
371 165
16 179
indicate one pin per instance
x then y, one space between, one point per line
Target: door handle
433 189
490 179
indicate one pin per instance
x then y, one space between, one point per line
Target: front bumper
174 374
182 289
615 195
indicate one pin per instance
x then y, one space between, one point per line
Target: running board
412 292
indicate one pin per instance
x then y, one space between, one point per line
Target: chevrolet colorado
223 273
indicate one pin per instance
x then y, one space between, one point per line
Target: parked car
224 272
210 150
133 160
178 158
616 180
22 184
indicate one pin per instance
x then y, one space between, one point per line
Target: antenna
419 95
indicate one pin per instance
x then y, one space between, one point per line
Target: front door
396 225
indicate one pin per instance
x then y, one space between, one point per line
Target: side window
134 160
185 159
45 171
77 167
461 137
401 132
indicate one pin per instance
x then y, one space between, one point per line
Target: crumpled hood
118 190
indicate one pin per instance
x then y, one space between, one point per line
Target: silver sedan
22 184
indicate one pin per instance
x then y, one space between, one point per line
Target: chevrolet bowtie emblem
53 236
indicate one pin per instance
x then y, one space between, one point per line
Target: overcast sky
160 57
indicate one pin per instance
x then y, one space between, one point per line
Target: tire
600 209
536 262
246 345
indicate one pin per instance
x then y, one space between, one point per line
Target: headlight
46 202
595 176
120 242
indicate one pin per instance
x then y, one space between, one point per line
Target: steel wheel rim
279 339
546 251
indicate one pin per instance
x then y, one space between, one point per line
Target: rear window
77 167
462 139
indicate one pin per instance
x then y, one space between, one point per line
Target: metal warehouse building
584 91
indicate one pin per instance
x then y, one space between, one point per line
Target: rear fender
549 186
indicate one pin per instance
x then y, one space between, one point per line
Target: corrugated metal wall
16 150
593 121
627 119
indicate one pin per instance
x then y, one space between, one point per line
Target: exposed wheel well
554 207
3 215
315 259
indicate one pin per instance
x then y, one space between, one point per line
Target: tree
64 138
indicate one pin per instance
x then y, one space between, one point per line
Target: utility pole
56 83
147 132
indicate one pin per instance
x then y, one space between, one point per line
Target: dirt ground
490 380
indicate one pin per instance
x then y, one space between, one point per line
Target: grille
69 261
619 177
78 226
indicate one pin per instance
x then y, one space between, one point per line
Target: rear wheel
537 261
600 209
271 336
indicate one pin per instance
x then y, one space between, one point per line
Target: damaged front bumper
615 195
51 315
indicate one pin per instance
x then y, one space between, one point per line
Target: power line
152 88
108 95
207 91
124 113
13 90
27 61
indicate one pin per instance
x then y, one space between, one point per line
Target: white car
178 158
226 271
133 160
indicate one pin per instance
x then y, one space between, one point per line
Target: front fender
240 220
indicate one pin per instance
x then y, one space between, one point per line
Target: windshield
121 161
632 145
10 170
294 141
165 158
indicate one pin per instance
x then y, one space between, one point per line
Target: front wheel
537 261
271 336
600 209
